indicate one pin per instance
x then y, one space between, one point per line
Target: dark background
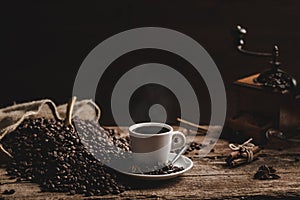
44 43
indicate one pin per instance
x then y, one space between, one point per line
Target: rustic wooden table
208 179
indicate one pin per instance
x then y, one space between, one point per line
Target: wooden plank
208 179
204 181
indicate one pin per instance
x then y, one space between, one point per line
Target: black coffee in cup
152 142
151 130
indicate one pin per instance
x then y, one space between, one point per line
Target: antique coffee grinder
268 104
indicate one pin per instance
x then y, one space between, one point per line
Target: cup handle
178 140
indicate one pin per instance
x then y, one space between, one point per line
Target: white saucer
183 161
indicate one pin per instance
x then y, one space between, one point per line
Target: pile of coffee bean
279 80
121 142
103 145
55 156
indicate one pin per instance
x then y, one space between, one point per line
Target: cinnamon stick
240 161
200 127
236 157
237 154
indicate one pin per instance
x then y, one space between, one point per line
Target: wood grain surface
208 179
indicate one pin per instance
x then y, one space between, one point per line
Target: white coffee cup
150 148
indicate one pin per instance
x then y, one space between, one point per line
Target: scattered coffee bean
8 192
159 169
193 146
167 170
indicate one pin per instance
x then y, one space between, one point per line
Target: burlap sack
11 117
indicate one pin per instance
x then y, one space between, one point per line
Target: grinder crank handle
240 33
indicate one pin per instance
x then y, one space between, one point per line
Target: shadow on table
147 184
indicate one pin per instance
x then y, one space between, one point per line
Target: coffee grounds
52 154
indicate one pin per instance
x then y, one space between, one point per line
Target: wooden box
271 109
